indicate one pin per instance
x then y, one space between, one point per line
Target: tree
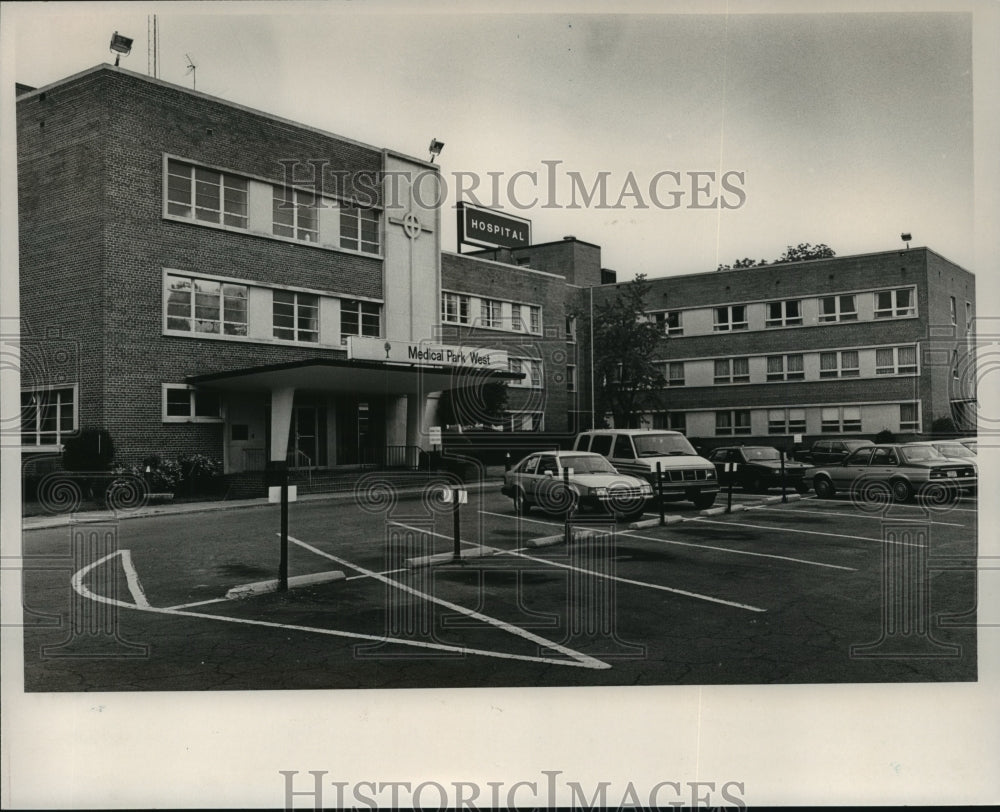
793 253
484 403
626 379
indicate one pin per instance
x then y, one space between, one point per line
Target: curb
448 558
718 511
545 541
265 587
672 519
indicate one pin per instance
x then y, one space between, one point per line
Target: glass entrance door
305 444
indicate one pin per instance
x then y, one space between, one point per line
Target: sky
844 129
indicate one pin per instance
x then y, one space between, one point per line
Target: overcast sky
844 129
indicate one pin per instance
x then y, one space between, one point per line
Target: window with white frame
953 308
359 229
359 319
491 313
295 214
186 404
674 373
838 308
532 370
786 421
840 419
48 416
571 328
909 417
670 322
295 316
968 317
896 303
842 364
570 378
671 421
207 306
534 319
784 314
731 317
732 370
896 361
785 368
206 195
522 421
455 308
732 422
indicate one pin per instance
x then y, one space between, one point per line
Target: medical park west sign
488 228
425 353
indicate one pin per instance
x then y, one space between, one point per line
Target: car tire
824 488
902 491
521 503
704 500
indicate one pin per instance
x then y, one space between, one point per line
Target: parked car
899 469
954 449
540 479
823 452
970 442
757 468
638 451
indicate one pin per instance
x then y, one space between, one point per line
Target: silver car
560 481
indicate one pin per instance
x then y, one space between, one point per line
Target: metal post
659 491
568 523
784 496
506 463
729 497
456 521
283 560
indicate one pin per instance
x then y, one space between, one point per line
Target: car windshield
761 453
588 465
920 453
954 450
855 444
662 445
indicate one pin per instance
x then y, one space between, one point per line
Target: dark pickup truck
824 452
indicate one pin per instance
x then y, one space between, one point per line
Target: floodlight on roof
435 148
120 45
906 236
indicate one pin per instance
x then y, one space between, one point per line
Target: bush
944 425
199 474
191 474
885 436
91 450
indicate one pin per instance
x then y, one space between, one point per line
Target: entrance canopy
358 377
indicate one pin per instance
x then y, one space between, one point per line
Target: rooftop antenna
152 46
906 237
192 68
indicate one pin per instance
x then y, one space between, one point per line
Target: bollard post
567 523
659 491
784 496
283 558
456 523
506 463
729 491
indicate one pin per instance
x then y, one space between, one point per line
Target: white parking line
632 534
809 532
132 579
848 503
77 583
660 587
583 659
859 515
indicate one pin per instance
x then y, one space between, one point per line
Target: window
206 306
359 319
672 421
534 319
185 404
670 323
730 317
785 368
783 314
673 371
490 312
206 195
786 421
359 229
623 448
454 308
896 361
842 364
732 422
529 421
571 328
295 215
908 417
530 368
840 419
48 416
968 316
838 308
601 444
732 370
895 303
296 316
570 378
954 311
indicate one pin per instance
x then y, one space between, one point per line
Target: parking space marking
860 516
631 534
582 659
132 579
809 532
81 589
518 552
847 504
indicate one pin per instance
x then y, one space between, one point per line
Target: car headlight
710 474
646 489
599 492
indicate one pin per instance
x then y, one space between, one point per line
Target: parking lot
809 591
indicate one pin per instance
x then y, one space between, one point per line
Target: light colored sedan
559 481
900 470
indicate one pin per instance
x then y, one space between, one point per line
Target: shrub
885 436
91 450
944 425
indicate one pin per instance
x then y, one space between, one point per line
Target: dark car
824 452
898 469
757 468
